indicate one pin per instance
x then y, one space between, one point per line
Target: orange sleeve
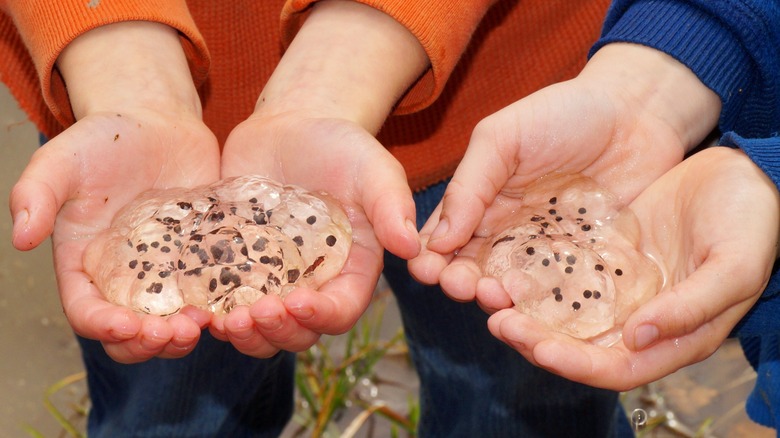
443 27
46 27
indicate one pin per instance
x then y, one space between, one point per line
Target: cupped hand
344 160
712 225
71 190
599 124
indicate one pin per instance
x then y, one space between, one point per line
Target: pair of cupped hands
712 219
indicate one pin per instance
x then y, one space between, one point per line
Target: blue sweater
733 46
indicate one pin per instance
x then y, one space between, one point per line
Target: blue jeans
215 391
471 384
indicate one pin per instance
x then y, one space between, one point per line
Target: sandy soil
37 347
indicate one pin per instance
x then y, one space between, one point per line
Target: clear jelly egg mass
570 258
218 246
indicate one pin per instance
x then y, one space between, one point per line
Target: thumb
717 289
390 208
483 172
39 194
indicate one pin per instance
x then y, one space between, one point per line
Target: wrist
348 61
126 66
660 86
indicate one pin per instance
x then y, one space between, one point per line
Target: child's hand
343 159
73 187
622 122
314 126
138 128
712 225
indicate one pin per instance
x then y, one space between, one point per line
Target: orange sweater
483 58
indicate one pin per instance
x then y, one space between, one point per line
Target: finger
459 279
201 317
186 333
610 367
279 327
484 170
463 280
217 329
427 266
36 198
338 304
507 326
332 310
618 368
91 316
389 206
719 286
491 295
558 353
87 310
568 357
154 336
240 330
462 210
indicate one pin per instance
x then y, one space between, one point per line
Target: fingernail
270 324
441 229
19 221
120 335
150 343
120 328
302 313
22 217
645 335
241 335
411 226
182 343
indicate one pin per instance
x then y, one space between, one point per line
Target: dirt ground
37 348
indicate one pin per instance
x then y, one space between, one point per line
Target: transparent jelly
570 257
218 246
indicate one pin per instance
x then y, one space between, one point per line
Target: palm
567 128
712 224
332 156
91 170
573 127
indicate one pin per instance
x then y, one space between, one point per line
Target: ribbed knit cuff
761 319
47 27
765 152
693 37
443 27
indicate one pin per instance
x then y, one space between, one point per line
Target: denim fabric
215 391
471 384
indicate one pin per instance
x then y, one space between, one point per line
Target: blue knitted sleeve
733 46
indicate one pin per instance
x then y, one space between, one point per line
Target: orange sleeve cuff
443 27
46 27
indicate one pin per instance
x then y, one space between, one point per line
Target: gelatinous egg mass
218 246
570 257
